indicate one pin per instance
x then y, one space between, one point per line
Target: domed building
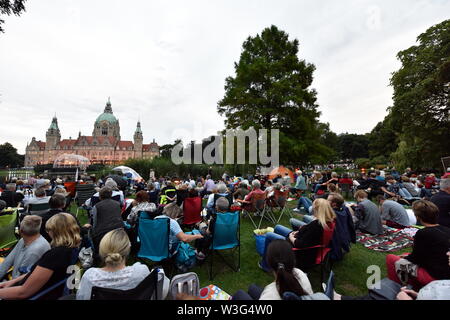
104 146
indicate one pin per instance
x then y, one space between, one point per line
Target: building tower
107 125
138 141
53 135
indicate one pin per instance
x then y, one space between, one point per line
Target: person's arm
94 217
210 202
420 248
32 285
308 236
85 289
188 237
9 260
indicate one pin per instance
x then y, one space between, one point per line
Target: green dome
106 117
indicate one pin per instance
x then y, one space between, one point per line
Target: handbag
386 289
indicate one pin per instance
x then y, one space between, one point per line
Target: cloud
165 62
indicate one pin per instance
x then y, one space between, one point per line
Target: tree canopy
9 7
271 90
9 156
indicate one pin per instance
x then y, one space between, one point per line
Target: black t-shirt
12 199
430 251
56 259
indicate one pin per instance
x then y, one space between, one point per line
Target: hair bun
113 258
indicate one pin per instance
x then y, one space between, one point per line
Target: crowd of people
330 205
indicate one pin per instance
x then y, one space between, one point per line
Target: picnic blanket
391 240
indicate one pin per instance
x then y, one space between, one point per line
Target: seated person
52 266
116 195
410 187
106 216
281 260
241 192
308 235
114 251
247 202
28 250
430 246
168 193
321 186
182 193
141 203
222 191
269 189
10 196
367 213
300 184
442 201
152 193
393 214
39 198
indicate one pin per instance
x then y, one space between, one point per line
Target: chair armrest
53 287
301 249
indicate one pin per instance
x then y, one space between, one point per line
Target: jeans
254 293
305 202
280 233
297 224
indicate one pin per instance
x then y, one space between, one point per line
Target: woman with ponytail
114 250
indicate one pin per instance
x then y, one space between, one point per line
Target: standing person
106 216
209 186
114 251
28 250
52 266
368 214
168 193
300 184
442 201
393 214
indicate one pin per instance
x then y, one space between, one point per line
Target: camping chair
8 238
346 189
192 211
323 250
256 206
226 236
279 201
153 235
146 290
38 208
83 193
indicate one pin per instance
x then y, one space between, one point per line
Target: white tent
125 170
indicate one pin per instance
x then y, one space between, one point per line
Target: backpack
185 258
186 283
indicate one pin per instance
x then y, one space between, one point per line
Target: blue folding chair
226 236
154 238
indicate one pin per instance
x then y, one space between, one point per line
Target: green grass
350 273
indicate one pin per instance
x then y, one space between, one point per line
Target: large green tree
271 89
8 7
353 146
9 156
421 107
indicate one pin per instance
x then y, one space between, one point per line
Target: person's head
64 230
299 172
30 226
278 186
57 201
39 193
3 205
151 186
426 211
381 199
256 184
405 179
332 188
345 176
111 184
222 204
243 185
373 175
334 175
105 193
281 259
269 183
323 212
208 177
336 200
360 195
445 185
390 179
115 247
377 172
222 188
142 196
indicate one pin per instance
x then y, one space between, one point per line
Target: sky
165 62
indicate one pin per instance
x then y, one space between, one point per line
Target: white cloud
165 62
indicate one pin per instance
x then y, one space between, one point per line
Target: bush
363 163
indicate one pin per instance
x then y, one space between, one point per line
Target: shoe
296 210
200 255
261 267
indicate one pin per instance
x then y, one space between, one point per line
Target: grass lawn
350 273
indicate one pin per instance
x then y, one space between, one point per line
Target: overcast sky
165 62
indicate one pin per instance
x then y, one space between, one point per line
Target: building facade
104 146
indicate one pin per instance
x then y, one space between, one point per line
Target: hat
110 183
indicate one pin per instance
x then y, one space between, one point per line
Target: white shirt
270 292
124 279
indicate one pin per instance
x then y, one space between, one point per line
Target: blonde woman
114 250
307 236
52 267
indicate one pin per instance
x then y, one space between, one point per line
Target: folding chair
83 193
38 208
192 211
226 236
323 250
346 189
146 290
279 201
8 238
257 206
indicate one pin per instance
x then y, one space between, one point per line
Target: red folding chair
323 250
278 201
192 211
256 206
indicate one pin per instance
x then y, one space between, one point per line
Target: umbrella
282 171
127 171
